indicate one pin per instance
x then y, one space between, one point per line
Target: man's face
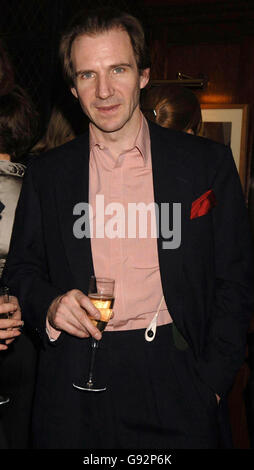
107 80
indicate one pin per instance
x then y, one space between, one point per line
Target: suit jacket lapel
171 185
72 188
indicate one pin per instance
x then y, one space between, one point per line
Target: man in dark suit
182 301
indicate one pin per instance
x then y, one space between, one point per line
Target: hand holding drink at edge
10 321
10 318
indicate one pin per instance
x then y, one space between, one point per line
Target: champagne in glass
101 294
4 298
104 303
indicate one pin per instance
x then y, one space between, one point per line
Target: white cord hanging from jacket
151 329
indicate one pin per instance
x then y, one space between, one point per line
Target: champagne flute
101 294
4 298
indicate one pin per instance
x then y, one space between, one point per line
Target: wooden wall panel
218 62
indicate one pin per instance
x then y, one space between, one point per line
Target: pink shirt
122 254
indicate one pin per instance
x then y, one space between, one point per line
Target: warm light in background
215 99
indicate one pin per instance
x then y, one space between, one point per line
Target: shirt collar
142 142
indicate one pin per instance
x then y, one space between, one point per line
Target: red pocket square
203 204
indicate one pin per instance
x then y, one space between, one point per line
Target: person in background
18 129
173 106
6 331
58 132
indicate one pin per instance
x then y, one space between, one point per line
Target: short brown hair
99 21
18 123
173 106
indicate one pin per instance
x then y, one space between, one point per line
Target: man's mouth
108 109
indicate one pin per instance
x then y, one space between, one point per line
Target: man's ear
144 78
74 92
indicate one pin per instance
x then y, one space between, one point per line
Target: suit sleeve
26 271
233 296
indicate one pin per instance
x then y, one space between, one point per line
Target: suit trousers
3 442
154 399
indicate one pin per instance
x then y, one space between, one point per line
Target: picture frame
228 124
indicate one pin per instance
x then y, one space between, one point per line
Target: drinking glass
4 298
101 294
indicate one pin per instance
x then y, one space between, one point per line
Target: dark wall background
214 38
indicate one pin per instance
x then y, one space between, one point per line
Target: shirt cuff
50 337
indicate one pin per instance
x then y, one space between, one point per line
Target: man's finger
16 315
8 334
83 324
8 307
86 303
10 323
14 300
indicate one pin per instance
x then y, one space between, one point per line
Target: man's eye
119 70
87 75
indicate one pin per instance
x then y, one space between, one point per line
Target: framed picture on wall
228 124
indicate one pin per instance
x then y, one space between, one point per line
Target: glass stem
94 345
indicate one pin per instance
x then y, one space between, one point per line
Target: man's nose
104 87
